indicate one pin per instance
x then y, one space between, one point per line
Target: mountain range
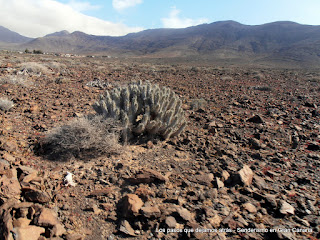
225 40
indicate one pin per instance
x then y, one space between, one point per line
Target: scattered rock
215 221
314 146
246 175
255 143
36 196
286 208
132 204
225 175
74 236
21 222
240 156
10 187
9 157
28 233
149 176
46 218
58 230
151 212
126 228
249 207
102 192
219 183
256 119
184 213
171 222
205 179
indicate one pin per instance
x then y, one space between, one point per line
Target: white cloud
175 21
36 18
122 4
82 6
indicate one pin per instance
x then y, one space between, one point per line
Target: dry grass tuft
5 104
16 80
82 138
34 68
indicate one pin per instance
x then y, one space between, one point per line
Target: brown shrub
82 137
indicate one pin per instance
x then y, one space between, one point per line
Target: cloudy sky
36 18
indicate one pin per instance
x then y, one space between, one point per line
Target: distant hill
58 34
8 36
225 40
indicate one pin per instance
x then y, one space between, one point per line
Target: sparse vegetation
5 104
262 88
82 137
195 104
34 68
221 152
227 78
37 52
315 79
258 76
15 80
143 109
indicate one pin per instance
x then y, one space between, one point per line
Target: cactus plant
143 109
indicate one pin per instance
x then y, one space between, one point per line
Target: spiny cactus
143 109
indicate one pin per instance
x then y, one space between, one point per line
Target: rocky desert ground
246 166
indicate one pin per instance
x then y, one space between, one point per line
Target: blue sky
36 18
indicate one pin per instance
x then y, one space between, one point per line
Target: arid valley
246 165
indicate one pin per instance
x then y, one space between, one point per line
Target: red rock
126 228
8 157
246 175
10 187
47 217
6 223
74 236
286 208
171 222
107 206
249 207
27 171
151 211
150 145
205 179
21 222
149 176
38 196
219 183
215 221
256 119
9 145
144 193
132 204
184 213
34 108
58 230
28 233
102 192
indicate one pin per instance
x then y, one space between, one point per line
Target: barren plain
246 166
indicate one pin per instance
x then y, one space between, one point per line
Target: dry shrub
258 76
82 137
5 104
16 80
315 79
34 68
263 88
227 78
56 66
196 104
